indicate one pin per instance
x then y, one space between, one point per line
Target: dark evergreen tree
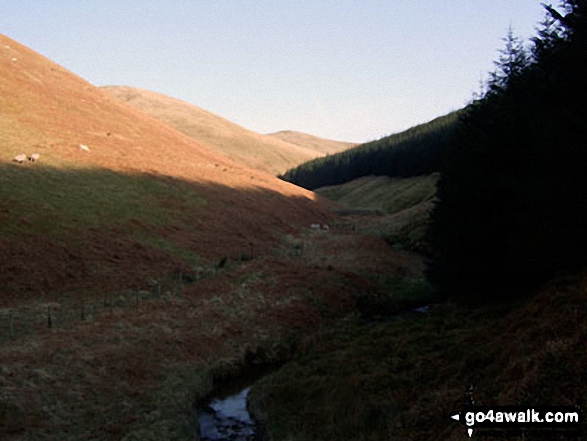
511 211
416 151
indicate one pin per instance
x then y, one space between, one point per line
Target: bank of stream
224 415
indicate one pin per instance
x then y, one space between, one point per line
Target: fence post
11 326
49 316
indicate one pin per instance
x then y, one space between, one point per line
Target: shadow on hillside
87 229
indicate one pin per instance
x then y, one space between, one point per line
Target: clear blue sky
351 70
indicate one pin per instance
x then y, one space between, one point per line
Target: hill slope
324 146
261 152
417 151
389 195
407 202
144 200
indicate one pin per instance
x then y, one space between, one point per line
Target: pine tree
511 209
510 66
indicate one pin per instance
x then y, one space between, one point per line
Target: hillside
417 151
389 195
324 146
401 207
142 200
261 152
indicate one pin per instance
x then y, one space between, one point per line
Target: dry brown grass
267 153
324 146
403 379
138 204
135 372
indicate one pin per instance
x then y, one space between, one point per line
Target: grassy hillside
404 204
262 152
142 201
389 195
324 146
414 152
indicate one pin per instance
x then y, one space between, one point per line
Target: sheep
20 158
84 148
325 227
34 157
315 226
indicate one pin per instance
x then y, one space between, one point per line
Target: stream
227 418
224 415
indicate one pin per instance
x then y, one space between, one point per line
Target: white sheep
315 226
84 148
34 157
325 227
20 158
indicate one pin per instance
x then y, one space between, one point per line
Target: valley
139 267
133 371
155 256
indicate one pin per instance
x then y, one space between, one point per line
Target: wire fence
19 322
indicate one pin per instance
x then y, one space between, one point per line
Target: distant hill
268 153
416 151
324 146
139 200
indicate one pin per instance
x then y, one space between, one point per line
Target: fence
18 322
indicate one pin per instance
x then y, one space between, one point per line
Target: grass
167 246
407 201
135 370
404 378
390 195
49 198
267 153
71 227
399 293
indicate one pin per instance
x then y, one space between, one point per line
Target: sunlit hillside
262 152
116 196
325 146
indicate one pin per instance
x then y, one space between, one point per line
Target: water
227 419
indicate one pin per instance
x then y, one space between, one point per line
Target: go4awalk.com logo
516 418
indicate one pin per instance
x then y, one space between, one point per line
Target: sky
349 70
